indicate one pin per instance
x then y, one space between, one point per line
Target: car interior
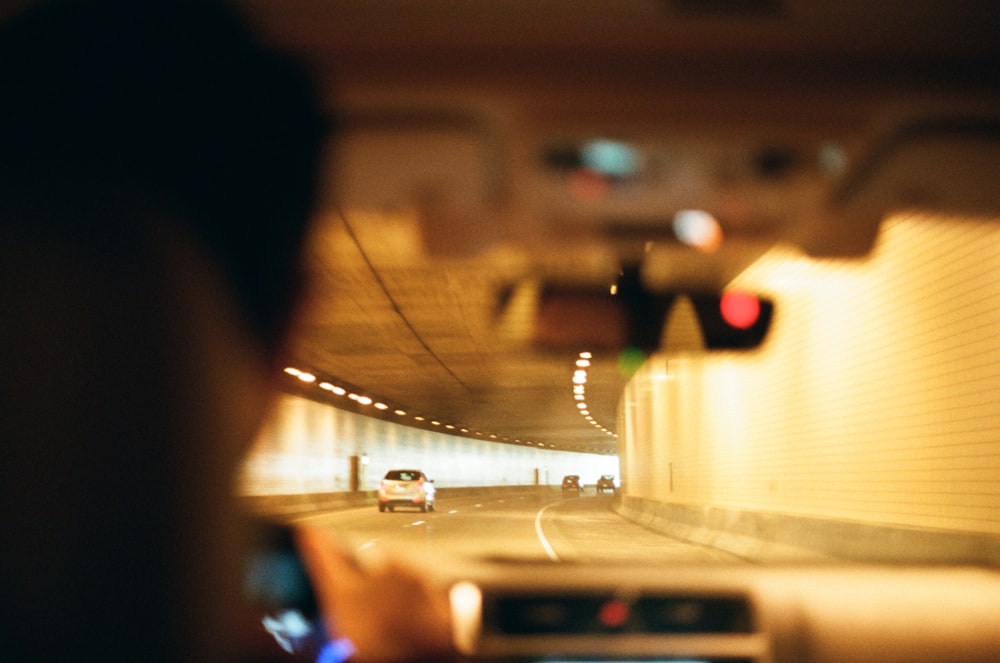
730 263
515 185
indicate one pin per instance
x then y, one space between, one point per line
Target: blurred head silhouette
157 171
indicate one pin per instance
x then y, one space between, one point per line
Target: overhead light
698 229
362 399
579 379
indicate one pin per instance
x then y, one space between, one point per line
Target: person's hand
388 611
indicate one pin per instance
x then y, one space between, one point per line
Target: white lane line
541 537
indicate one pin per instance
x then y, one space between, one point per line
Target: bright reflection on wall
874 399
306 447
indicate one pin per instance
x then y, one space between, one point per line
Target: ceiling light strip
362 402
583 362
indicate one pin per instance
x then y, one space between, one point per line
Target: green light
629 361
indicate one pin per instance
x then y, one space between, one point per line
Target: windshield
860 430
402 475
744 292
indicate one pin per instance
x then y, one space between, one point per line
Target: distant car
606 483
406 488
571 482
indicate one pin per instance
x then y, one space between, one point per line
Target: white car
406 488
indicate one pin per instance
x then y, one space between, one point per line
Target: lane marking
541 536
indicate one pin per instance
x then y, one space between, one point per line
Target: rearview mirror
574 317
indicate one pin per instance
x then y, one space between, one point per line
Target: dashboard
739 614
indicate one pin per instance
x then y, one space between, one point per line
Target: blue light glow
611 158
336 651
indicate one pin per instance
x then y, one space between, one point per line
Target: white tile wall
875 398
306 447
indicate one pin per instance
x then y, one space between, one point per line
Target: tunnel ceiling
406 294
422 335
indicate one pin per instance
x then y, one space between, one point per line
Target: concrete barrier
773 537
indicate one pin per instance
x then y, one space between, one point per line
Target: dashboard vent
539 614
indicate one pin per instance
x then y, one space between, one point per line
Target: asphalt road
538 528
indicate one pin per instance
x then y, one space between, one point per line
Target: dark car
571 482
606 483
